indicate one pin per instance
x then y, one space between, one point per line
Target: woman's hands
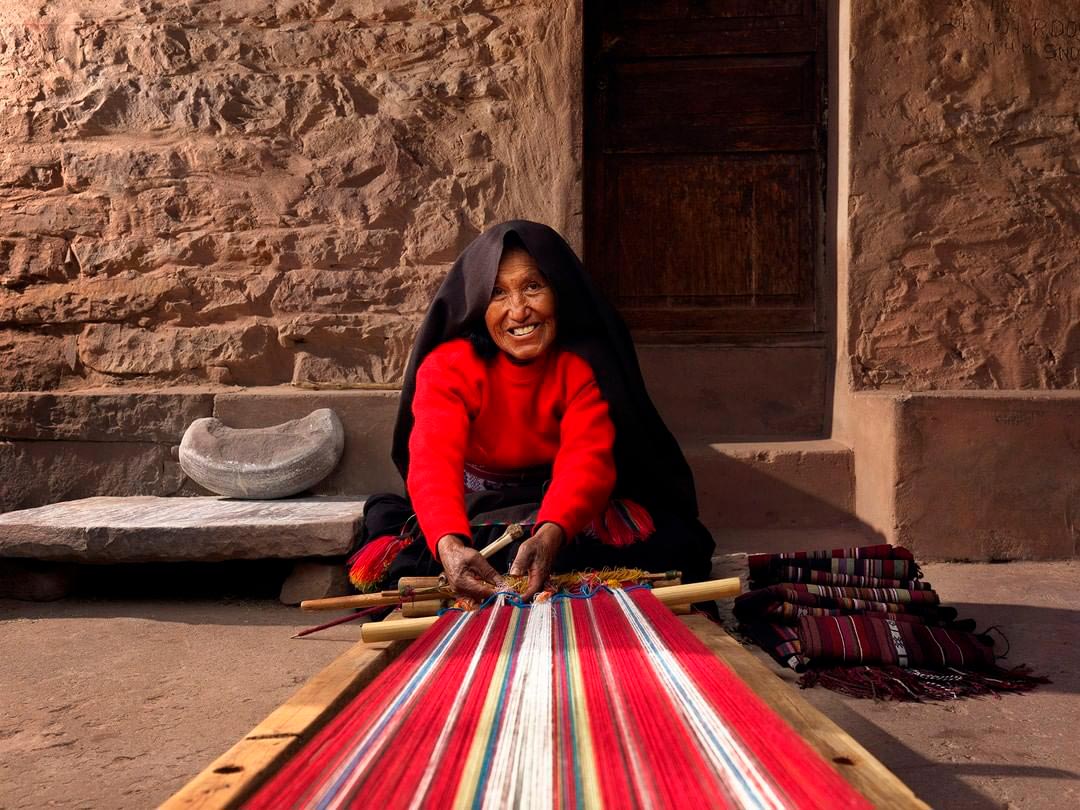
471 575
536 556
467 572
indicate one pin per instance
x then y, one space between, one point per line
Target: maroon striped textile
863 622
884 640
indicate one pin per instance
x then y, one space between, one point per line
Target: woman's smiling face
521 314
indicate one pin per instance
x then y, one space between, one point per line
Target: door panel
703 163
716 92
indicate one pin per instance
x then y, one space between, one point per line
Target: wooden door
704 149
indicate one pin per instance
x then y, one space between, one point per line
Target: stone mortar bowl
260 463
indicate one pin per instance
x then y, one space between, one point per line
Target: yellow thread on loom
611 577
471 773
590 781
574 581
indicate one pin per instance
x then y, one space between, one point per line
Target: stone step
65 445
773 485
156 529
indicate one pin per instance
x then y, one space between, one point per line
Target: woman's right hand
467 572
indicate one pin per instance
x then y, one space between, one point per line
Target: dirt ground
116 702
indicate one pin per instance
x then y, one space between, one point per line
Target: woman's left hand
536 556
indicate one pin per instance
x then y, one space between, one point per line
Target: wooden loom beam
234 776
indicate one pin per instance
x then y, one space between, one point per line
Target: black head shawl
650 466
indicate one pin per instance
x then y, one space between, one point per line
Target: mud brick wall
253 192
964 217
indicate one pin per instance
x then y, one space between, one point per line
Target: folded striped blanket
863 621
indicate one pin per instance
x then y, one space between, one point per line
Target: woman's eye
533 286
498 292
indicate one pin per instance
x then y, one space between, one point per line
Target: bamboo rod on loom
675 595
427 606
381 599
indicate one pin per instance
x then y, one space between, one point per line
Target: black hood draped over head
650 466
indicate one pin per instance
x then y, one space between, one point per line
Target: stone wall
964 214
957 192
263 192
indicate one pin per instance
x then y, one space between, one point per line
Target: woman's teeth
521 331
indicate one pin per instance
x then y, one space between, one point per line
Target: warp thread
596 699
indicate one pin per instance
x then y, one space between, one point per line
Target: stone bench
143 529
204 529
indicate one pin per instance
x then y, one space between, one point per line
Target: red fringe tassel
369 565
622 523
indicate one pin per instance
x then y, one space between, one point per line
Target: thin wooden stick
432 593
675 595
380 599
436 594
386 598
356 600
360 614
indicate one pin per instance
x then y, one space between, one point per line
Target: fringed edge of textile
622 523
369 565
920 685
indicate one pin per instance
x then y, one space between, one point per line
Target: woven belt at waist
479 478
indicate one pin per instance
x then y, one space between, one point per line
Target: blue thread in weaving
574 758
489 747
663 661
390 713
513 598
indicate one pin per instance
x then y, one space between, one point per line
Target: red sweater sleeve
584 471
441 412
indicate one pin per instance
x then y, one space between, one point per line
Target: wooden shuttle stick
512 533
432 587
356 600
674 595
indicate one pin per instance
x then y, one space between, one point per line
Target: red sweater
504 416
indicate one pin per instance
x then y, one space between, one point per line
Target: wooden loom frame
230 779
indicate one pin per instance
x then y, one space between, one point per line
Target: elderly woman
523 402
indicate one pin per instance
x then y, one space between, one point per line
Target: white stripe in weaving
521 769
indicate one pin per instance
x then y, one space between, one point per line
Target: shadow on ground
939 784
172 592
1042 638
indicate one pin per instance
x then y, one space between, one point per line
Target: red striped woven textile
884 641
605 701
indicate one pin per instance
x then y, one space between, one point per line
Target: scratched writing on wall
1005 31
